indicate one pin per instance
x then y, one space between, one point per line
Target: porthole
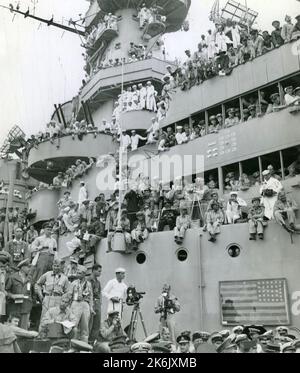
234 250
182 255
141 258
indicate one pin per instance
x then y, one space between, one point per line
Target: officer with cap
237 330
115 291
51 286
141 348
213 126
252 112
19 290
282 331
199 338
43 249
111 329
184 343
17 248
276 103
216 339
231 120
81 293
288 348
4 260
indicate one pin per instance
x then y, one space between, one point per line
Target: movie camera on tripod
133 296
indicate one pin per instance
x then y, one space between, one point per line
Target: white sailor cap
120 270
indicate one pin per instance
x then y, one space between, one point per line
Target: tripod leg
131 324
143 323
134 325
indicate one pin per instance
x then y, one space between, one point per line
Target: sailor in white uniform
115 291
269 198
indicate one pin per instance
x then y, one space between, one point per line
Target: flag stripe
256 307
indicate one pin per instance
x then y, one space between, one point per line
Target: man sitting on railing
255 219
214 220
276 34
234 208
58 180
284 212
183 222
139 233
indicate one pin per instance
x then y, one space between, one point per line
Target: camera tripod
136 314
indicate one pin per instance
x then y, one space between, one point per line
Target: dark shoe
252 237
292 226
289 230
261 236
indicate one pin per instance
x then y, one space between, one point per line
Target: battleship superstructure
195 268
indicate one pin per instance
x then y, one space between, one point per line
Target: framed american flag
263 302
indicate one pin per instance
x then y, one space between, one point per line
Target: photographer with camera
111 328
269 191
167 305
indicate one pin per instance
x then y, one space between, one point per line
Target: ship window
266 94
272 159
231 175
293 81
250 173
212 175
182 255
199 119
141 258
290 155
214 112
234 250
234 104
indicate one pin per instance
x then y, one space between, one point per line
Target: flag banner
254 302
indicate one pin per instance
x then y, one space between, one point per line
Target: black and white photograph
149 179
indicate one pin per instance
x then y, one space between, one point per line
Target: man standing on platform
43 249
115 291
17 248
51 286
95 321
83 304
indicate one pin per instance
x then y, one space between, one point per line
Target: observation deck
175 10
106 35
106 84
68 151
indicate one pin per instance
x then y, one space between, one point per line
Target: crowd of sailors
228 46
71 316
